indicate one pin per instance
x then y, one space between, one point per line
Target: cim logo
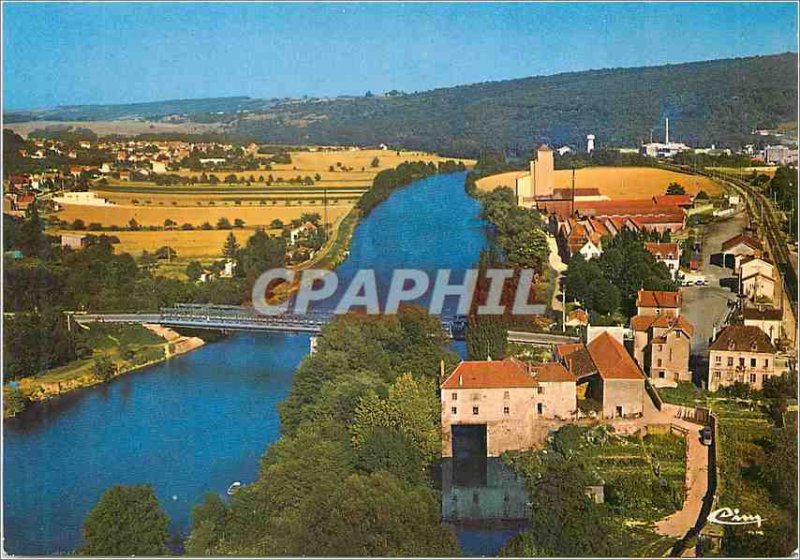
728 516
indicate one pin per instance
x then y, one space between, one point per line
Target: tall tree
126 521
231 248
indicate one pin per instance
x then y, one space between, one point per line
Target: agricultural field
254 214
351 167
123 127
195 244
616 182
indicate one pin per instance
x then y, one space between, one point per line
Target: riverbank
129 347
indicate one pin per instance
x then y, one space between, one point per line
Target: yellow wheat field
187 244
156 215
358 164
616 182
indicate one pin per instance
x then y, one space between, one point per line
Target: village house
74 241
303 230
743 354
653 302
516 404
738 247
667 253
606 374
577 318
661 347
769 320
757 279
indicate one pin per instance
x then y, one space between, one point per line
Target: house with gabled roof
515 404
655 302
740 246
740 354
661 347
608 374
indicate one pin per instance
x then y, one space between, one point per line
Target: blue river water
196 423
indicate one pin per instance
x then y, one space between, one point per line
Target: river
196 423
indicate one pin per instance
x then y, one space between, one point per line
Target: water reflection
482 492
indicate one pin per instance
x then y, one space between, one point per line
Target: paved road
706 306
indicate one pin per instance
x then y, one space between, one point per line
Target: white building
666 149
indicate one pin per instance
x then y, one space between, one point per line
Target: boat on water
233 488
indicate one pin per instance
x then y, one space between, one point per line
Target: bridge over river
238 318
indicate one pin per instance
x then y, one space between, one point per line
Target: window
659 363
475 410
717 375
766 362
741 362
506 410
455 396
670 354
661 374
539 408
718 359
540 390
454 410
752 378
730 361
752 362
506 395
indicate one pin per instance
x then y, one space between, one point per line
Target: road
706 306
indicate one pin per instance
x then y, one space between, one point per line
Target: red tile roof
611 358
743 239
654 298
743 338
766 314
642 323
663 249
489 375
552 372
673 199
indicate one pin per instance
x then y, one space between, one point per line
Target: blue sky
61 54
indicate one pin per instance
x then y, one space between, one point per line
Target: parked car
707 435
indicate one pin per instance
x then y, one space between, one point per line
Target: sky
98 53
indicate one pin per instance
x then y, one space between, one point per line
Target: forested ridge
719 101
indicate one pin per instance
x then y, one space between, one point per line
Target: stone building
738 247
513 404
667 253
757 279
741 353
661 347
606 374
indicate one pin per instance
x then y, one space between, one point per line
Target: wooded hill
718 102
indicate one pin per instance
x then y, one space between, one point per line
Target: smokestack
666 141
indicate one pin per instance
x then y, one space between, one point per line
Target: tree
169 223
166 252
133 225
238 223
376 162
104 368
276 224
78 224
486 337
231 248
208 522
126 521
224 223
15 401
194 270
675 188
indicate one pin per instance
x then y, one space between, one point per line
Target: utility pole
325 206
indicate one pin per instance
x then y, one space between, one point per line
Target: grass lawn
126 345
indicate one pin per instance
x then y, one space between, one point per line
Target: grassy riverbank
125 347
